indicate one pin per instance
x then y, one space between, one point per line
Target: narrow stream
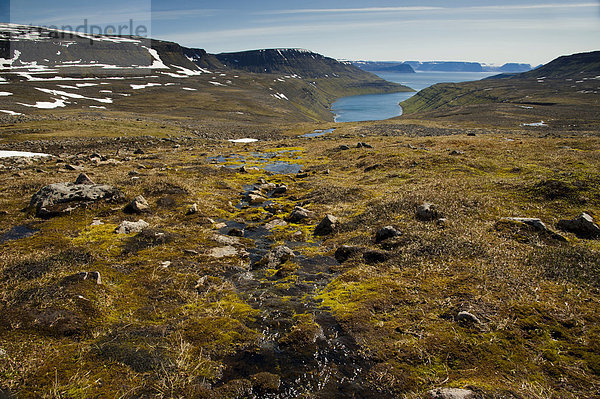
325 361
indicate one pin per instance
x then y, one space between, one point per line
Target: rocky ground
381 260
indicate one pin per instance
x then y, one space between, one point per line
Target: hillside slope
43 69
563 93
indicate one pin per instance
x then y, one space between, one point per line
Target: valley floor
205 302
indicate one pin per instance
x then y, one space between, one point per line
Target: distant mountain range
563 93
439 66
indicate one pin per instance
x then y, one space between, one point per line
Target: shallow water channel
321 360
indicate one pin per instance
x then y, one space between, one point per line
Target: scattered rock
302 175
456 152
519 227
343 147
137 205
276 257
73 167
280 189
127 227
235 232
82 276
58 198
386 232
375 256
450 393
464 317
275 223
427 212
255 199
583 226
364 145
84 179
536 223
226 240
346 252
222 252
299 214
471 134
193 209
327 226
139 151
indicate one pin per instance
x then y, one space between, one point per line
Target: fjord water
384 106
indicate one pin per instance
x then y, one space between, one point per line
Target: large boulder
327 226
534 225
583 226
55 199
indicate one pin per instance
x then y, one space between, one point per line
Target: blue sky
492 31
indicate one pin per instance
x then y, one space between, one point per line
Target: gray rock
343 148
137 205
456 152
327 226
73 167
276 257
223 252
299 214
386 232
275 223
58 198
364 145
127 227
583 226
280 189
467 318
84 179
533 222
450 393
427 212
235 232
193 209
227 240
255 199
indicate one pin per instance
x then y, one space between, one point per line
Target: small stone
346 252
275 223
450 393
235 232
299 214
276 257
280 189
97 222
127 227
84 179
73 167
427 212
223 252
139 151
255 199
386 232
343 147
583 226
456 152
536 223
327 226
265 382
193 209
137 205
302 175
364 145
467 318
471 134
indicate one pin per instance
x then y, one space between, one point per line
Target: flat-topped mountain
289 61
439 66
